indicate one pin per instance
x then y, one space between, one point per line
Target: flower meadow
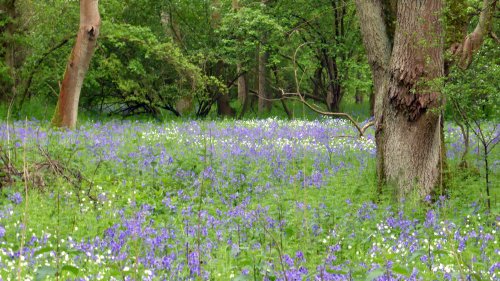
230 200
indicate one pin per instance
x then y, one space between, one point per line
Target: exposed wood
78 64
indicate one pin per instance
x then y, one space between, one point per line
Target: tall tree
223 99
263 58
408 134
412 129
9 17
67 106
242 77
407 63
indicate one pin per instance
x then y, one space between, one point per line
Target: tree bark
408 132
9 47
378 49
412 146
242 84
78 64
223 106
242 78
223 100
264 103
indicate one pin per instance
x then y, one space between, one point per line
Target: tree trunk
408 132
412 145
9 47
184 104
334 94
378 49
78 64
242 78
264 103
223 106
242 84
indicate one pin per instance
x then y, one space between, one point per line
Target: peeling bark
78 64
413 133
408 133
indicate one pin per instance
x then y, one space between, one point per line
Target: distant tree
67 106
242 76
11 52
223 99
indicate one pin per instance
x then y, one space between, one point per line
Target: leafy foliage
134 72
476 90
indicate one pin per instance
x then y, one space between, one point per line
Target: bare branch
298 96
326 113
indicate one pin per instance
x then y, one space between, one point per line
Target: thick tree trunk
408 132
378 49
412 147
78 64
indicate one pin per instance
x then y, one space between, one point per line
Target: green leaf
43 251
374 274
401 270
44 272
71 269
440 252
242 278
417 254
477 276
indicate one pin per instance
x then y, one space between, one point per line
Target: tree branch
465 50
38 63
